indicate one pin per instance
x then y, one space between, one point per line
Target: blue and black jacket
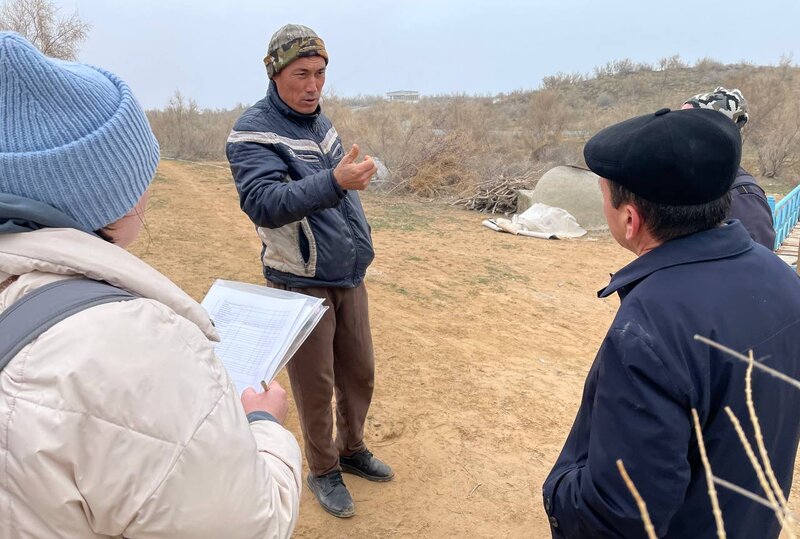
313 232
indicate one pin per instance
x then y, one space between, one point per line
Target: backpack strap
48 305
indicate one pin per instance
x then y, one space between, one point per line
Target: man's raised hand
351 175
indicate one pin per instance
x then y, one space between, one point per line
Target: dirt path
482 344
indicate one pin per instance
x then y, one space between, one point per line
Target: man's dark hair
666 222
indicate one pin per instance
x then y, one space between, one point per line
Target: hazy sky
212 50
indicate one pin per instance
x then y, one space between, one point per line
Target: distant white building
407 96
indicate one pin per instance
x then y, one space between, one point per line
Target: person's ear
633 222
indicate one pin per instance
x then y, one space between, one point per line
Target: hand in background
351 175
273 401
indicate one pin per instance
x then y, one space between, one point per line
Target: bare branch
648 524
741 357
712 492
746 493
39 22
762 450
762 480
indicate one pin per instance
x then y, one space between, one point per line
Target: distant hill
579 106
642 91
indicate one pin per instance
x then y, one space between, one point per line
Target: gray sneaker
332 494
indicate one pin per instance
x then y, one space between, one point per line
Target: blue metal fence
786 214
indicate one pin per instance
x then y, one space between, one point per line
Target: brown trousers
337 355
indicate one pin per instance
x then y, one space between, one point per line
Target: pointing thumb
352 154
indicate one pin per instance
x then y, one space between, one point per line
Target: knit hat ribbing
71 136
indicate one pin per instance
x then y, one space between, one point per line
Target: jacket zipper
352 235
342 206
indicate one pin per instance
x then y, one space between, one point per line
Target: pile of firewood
498 195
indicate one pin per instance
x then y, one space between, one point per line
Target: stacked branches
498 195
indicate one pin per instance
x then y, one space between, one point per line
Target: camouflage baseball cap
289 43
731 103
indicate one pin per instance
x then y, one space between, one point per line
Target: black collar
725 241
286 110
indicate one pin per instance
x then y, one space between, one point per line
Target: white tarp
540 221
549 220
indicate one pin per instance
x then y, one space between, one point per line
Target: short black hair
666 222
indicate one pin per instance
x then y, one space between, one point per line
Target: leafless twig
762 450
741 357
749 495
712 492
648 524
754 463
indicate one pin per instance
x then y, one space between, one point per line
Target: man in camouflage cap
748 200
300 189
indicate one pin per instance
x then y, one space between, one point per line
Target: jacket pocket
282 248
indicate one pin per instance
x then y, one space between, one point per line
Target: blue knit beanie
71 136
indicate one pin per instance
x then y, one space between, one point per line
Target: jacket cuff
549 494
336 188
261 416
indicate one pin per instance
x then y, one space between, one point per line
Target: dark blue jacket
313 233
650 373
749 205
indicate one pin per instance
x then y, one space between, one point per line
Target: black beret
679 157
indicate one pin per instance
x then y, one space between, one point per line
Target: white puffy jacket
120 420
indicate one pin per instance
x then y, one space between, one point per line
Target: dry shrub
773 130
186 132
443 166
672 62
40 22
605 101
621 67
562 79
544 122
429 148
779 147
708 64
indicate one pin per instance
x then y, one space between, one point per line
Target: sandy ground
482 344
